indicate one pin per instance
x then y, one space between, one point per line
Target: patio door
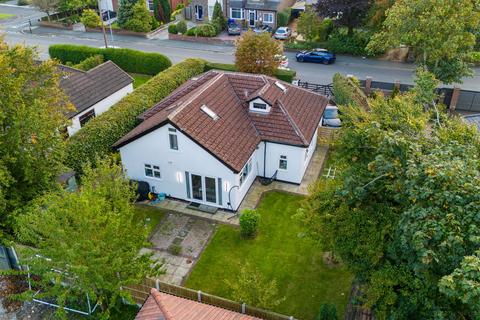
204 189
251 18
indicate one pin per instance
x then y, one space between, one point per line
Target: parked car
233 29
282 33
330 117
262 29
283 61
316 55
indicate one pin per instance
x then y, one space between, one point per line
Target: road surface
17 31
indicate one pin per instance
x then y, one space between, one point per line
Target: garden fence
141 292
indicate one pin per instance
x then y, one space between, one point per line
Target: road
17 32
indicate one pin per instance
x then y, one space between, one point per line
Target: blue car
316 55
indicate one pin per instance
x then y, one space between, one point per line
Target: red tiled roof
163 306
293 118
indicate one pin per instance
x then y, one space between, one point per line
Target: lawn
139 79
280 252
4 16
144 212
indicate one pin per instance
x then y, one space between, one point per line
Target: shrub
127 59
283 17
325 29
154 24
474 57
182 27
285 75
192 31
355 44
89 63
218 17
140 21
180 6
249 223
90 18
96 138
347 92
304 45
206 30
172 28
327 311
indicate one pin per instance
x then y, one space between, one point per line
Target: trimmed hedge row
99 134
285 75
127 59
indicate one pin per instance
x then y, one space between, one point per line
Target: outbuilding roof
163 306
86 88
232 138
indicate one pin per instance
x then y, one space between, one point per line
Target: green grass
139 79
4 16
143 212
280 252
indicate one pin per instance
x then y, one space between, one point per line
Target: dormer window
258 105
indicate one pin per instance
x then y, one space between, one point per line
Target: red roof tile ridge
184 104
292 123
158 299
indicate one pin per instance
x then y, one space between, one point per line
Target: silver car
282 33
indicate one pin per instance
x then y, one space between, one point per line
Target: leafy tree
32 110
252 288
378 12
308 25
256 53
348 13
89 240
441 33
90 18
403 211
125 11
75 5
218 17
283 17
140 20
47 6
162 10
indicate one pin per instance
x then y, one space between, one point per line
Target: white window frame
242 13
245 172
155 169
172 133
268 14
283 158
150 5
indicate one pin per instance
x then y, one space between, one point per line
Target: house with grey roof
209 140
94 91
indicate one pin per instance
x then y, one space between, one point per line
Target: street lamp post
103 25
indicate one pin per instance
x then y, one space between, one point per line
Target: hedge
285 75
127 59
96 138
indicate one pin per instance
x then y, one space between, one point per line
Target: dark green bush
96 138
182 27
206 30
192 31
283 17
325 29
285 75
327 311
340 42
249 221
127 59
304 45
89 63
172 28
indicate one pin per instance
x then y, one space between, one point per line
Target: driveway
178 241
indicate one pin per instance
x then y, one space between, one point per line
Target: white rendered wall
100 107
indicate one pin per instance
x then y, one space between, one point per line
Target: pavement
17 31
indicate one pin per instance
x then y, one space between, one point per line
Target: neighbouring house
113 5
247 13
94 91
163 306
208 141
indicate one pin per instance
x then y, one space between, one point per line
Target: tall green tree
86 242
218 17
403 213
125 11
347 13
32 110
308 25
441 33
141 20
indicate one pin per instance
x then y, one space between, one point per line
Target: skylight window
209 112
281 86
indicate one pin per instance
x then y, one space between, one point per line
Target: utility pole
103 25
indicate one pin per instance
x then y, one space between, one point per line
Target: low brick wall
124 32
55 25
210 40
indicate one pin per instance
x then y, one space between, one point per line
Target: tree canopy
403 212
89 239
125 11
32 112
348 13
442 33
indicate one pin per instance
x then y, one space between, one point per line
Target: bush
182 27
89 63
172 28
347 92
304 45
90 18
206 30
140 21
127 59
96 138
283 17
285 75
327 311
474 57
154 23
325 29
355 44
249 223
192 31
